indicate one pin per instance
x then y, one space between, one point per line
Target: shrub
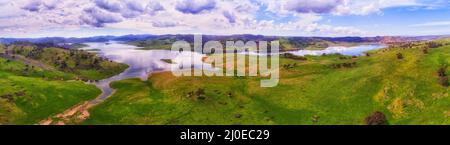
441 72
292 56
344 65
444 81
200 93
377 118
433 45
399 56
425 51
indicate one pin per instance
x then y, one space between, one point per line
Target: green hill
84 65
34 87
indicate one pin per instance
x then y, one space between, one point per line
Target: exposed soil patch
74 115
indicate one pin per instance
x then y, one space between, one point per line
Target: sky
83 18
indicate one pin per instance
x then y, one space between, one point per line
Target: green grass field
29 99
311 92
34 89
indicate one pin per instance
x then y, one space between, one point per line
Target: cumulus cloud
312 6
33 6
164 24
98 18
135 6
109 5
128 9
195 6
154 7
37 5
366 7
336 7
281 17
230 17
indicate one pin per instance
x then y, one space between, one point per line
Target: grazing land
406 83
35 83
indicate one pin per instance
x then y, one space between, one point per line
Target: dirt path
74 115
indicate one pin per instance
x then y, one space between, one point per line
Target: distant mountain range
78 40
245 37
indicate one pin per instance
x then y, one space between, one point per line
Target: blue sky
81 18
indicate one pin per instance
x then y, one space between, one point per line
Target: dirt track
76 114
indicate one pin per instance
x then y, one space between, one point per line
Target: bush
444 81
292 56
344 65
433 45
425 51
441 72
377 118
399 56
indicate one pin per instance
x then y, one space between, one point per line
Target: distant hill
165 41
189 37
78 40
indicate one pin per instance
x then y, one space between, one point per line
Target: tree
441 72
433 45
443 79
425 51
200 93
95 62
63 65
377 118
400 56
26 68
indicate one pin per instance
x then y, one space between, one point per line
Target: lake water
351 51
355 50
143 62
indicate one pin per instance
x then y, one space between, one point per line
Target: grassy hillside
84 65
289 44
27 98
165 44
286 43
405 82
37 82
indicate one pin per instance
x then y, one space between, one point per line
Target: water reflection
352 51
355 50
141 62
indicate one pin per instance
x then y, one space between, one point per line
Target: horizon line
112 35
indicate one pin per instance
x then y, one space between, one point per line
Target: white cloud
365 7
432 24
312 6
336 7
195 6
188 16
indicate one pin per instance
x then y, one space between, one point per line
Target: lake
141 62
